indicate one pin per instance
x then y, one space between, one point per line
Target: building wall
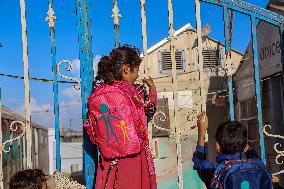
14 161
43 161
40 149
71 155
51 150
189 81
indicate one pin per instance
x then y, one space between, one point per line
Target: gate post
175 95
257 88
27 86
51 21
228 51
87 78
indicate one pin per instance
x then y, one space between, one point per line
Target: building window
165 61
212 57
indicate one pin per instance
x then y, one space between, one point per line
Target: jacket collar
225 157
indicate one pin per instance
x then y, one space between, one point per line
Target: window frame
169 71
221 63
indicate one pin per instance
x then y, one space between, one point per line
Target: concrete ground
166 165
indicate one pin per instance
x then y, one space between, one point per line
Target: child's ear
218 148
126 69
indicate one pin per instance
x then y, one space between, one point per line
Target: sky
103 41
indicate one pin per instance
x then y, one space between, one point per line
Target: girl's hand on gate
149 82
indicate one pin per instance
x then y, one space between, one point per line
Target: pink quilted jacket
117 121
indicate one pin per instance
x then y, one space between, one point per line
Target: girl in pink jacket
117 122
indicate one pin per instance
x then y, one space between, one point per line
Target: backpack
117 123
241 174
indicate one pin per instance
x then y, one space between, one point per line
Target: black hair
27 179
232 137
109 67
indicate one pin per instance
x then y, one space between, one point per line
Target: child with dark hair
117 123
28 179
238 165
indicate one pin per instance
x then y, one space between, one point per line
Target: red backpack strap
89 128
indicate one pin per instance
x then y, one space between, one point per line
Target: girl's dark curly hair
109 67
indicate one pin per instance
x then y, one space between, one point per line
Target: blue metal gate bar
251 10
227 52
231 98
226 29
87 78
257 88
51 19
